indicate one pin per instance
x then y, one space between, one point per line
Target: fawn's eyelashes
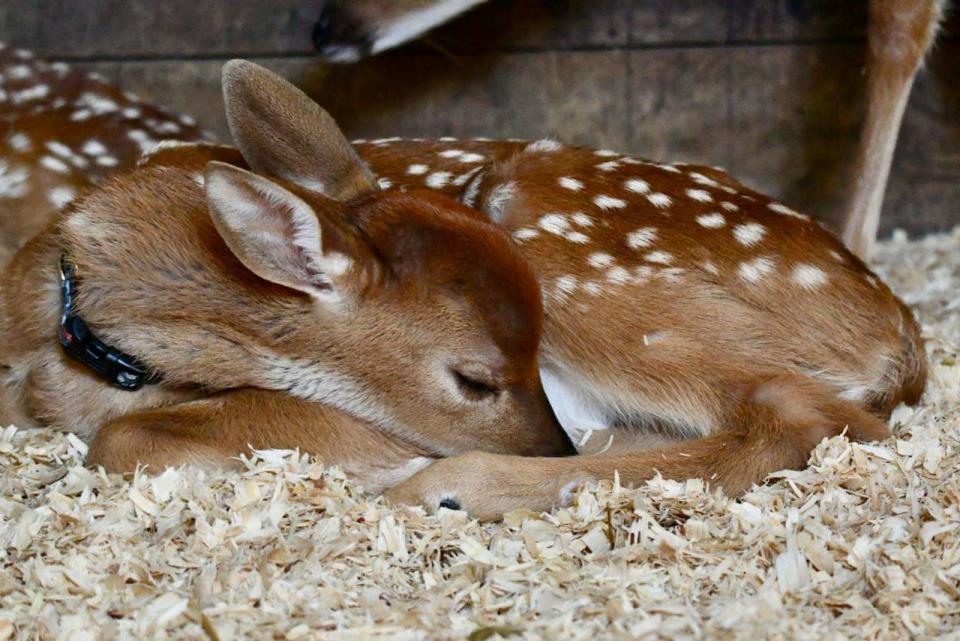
475 382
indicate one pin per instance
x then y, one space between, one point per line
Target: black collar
117 368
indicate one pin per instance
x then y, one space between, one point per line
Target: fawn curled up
396 306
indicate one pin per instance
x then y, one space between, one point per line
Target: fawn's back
666 286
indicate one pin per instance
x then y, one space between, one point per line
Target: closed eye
474 388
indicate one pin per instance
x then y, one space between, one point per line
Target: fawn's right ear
283 133
281 238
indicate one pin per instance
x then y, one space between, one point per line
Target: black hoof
450 504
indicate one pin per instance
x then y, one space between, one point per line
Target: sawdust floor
862 545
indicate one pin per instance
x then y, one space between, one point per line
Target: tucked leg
213 431
775 427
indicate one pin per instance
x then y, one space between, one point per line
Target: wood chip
862 544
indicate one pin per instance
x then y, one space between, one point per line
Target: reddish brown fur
737 367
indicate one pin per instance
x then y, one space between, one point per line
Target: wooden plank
783 118
147 28
139 28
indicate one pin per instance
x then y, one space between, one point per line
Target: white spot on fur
570 183
712 221
19 72
749 234
786 211
577 237
525 233
637 186
554 224
808 276
599 260
451 153
59 149
417 170
13 182
699 195
94 148
666 167
660 201
96 103
543 146
729 206
659 257
438 179
384 183
471 157
700 179
20 142
609 202
618 275
54 164
35 92
605 152
60 196
641 238
582 219
837 256
610 165
107 161
754 270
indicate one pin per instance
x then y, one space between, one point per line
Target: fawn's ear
283 133
281 238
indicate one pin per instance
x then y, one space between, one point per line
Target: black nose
339 35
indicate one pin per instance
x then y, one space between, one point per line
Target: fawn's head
405 309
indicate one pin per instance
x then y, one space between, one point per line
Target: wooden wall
770 89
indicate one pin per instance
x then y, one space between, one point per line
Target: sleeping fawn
393 304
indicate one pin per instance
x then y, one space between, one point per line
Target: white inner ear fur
279 232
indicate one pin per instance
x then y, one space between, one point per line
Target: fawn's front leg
213 431
774 428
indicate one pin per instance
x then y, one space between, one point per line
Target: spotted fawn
406 308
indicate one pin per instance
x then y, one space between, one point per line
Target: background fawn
371 308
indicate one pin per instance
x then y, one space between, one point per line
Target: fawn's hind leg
774 427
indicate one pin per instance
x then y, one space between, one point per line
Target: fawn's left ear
283 239
283 133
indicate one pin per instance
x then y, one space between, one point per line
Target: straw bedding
862 545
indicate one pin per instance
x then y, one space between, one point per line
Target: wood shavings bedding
864 544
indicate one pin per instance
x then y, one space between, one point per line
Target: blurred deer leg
899 35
